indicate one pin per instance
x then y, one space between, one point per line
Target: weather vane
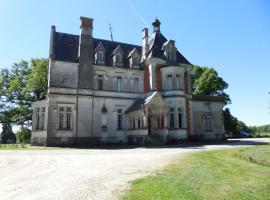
110 28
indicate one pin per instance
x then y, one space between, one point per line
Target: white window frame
169 79
119 80
178 81
208 122
66 110
100 81
172 117
136 84
40 118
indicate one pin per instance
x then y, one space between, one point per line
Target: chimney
156 25
145 45
52 43
85 54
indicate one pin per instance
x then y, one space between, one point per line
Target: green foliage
20 85
206 81
7 135
261 129
23 136
212 175
230 122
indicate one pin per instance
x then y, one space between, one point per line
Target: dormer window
118 55
170 51
100 54
134 59
118 58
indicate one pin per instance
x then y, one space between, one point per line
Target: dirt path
84 174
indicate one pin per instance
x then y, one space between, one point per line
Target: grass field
236 174
262 134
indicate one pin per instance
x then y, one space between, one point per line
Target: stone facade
103 92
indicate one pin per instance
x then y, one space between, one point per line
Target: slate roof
66 48
155 49
137 105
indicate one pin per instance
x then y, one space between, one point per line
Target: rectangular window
101 56
119 83
65 117
169 82
178 84
208 122
40 118
171 117
119 119
136 84
61 121
100 82
180 118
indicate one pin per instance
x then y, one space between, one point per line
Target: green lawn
263 134
26 147
236 174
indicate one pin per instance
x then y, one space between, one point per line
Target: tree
230 122
23 136
19 86
206 81
7 135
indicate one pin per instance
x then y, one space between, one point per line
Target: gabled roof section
100 47
118 50
156 45
133 52
151 99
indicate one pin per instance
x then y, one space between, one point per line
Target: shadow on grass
184 145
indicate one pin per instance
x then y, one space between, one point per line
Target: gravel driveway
85 174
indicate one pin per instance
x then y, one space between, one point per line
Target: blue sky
231 36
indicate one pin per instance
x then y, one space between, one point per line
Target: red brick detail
87 22
159 79
186 82
187 103
146 79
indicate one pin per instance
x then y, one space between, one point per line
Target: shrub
7 135
23 136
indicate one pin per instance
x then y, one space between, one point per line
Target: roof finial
156 25
110 28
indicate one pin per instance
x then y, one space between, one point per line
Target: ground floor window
65 117
40 118
171 115
207 122
180 118
119 119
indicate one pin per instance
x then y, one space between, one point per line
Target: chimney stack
85 54
145 45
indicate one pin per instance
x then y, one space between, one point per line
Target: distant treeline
260 129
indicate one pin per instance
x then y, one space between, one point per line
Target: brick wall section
186 81
159 78
146 79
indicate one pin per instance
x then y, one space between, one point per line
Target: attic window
100 57
118 55
134 59
170 51
100 54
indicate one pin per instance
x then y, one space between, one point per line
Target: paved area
86 173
